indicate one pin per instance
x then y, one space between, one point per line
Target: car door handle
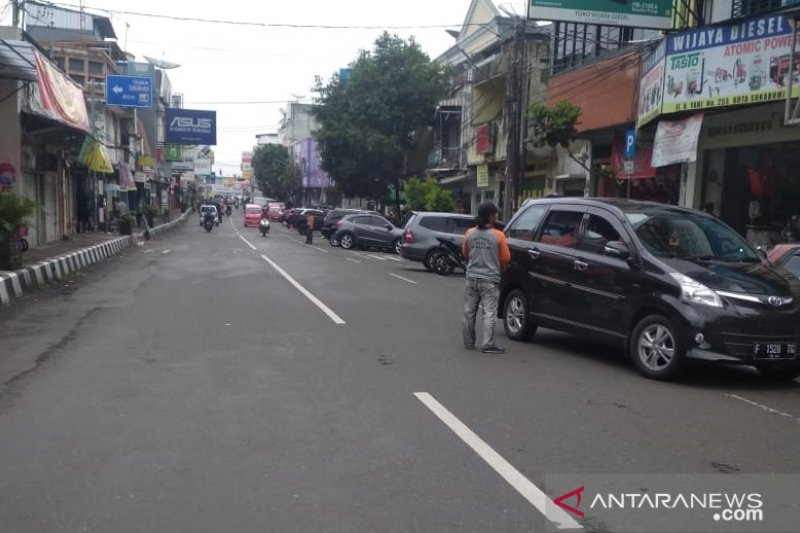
534 253
580 266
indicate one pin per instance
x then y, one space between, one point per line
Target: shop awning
57 97
17 61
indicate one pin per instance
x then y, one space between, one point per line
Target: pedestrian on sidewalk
487 254
310 228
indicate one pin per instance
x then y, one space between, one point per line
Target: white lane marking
404 279
165 252
763 407
305 292
378 257
353 260
247 242
514 477
298 241
392 258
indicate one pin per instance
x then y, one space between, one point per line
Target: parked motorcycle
264 226
447 257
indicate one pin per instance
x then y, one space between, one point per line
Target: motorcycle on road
447 257
264 226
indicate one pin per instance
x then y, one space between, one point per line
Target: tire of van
655 348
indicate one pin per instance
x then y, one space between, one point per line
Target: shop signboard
202 167
740 63
637 167
173 152
676 141
651 85
483 175
638 14
190 126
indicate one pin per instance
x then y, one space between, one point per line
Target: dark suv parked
332 217
419 237
668 284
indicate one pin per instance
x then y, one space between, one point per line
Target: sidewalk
55 261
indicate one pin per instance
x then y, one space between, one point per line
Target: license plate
775 350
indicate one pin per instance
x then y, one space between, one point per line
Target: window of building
95 67
80 80
77 65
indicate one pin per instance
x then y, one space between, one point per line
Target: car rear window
460 225
253 211
434 223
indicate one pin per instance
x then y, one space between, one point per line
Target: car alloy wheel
346 241
515 317
397 245
334 241
656 349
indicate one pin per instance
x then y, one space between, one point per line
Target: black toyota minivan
668 284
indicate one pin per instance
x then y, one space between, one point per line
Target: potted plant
14 209
126 222
149 213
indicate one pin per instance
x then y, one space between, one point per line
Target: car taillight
409 237
339 223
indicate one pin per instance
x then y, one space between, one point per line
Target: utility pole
513 120
15 10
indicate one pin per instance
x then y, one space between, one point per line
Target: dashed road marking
514 477
353 260
378 257
248 243
763 407
393 258
305 292
402 278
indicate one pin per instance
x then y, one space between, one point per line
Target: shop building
739 82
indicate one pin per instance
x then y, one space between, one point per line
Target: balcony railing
445 157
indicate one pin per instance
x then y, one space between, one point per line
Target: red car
276 210
252 215
787 256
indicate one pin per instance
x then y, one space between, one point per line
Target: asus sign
189 126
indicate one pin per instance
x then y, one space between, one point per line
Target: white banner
202 167
676 141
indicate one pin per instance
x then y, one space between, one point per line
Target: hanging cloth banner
60 98
676 141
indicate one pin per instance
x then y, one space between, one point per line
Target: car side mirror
388 226
617 250
762 253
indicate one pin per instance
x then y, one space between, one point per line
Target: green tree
277 174
556 126
439 199
370 122
416 191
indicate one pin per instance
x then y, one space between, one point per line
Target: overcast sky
224 63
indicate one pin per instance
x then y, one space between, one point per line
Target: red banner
60 97
642 168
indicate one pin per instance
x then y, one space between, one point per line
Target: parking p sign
630 144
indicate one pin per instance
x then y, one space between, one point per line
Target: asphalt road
190 386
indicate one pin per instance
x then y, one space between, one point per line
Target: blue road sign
129 91
630 144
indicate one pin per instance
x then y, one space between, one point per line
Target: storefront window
757 189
